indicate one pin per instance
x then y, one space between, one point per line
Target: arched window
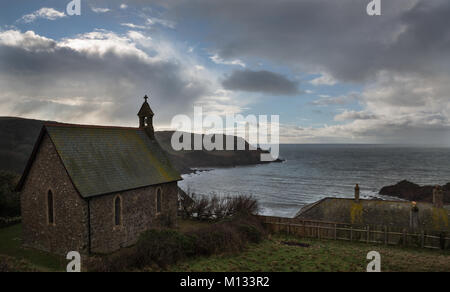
158 200
50 208
117 211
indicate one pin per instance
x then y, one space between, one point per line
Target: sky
330 71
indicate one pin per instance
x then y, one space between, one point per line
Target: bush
13 265
251 233
9 199
163 247
121 261
228 236
218 208
232 233
219 238
9 221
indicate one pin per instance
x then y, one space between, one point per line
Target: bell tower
146 118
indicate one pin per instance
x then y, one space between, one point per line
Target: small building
95 189
402 214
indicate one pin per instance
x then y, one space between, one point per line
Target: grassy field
18 258
321 256
272 255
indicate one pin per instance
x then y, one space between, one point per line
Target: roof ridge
66 125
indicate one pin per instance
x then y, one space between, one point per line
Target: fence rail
388 235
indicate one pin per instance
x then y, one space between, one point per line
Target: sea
312 172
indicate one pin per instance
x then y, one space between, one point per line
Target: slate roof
374 212
103 160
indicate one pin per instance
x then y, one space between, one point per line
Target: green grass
321 256
24 259
269 256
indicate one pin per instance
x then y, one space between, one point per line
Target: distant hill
17 138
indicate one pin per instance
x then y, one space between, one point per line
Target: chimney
438 197
357 193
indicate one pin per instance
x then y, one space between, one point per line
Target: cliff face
414 192
187 159
17 138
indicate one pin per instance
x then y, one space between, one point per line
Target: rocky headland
414 192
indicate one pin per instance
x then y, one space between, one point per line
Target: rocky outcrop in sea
414 192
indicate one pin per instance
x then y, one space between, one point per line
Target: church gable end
54 215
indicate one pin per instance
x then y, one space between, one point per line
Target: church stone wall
138 215
69 232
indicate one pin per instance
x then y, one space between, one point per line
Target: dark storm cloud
321 35
260 81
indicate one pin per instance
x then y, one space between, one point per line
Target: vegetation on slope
14 257
275 255
9 198
17 138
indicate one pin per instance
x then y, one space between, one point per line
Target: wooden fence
388 235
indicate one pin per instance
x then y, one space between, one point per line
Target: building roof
103 160
145 110
374 212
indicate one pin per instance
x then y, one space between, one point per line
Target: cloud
401 61
100 10
162 22
134 26
326 36
216 59
43 13
324 79
354 115
326 100
99 77
260 81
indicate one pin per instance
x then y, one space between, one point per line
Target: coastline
197 170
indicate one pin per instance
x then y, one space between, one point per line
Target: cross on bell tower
146 118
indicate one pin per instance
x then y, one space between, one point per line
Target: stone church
95 189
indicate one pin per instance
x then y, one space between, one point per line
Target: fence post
386 234
368 233
351 233
442 239
335 231
423 239
404 236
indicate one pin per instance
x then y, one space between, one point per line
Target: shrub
121 261
228 236
9 199
219 238
251 233
217 208
10 264
164 247
8 221
244 205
